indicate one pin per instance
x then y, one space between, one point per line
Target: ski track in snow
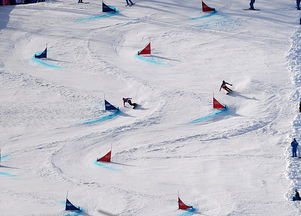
168 145
216 21
63 131
97 17
32 83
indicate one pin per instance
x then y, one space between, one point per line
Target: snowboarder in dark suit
252 5
129 3
294 145
129 101
224 86
298 4
297 196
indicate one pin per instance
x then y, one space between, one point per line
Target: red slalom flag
106 158
205 8
217 105
146 50
183 205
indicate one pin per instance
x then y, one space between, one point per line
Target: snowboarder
80 1
297 196
129 101
129 3
298 4
252 5
294 145
225 87
300 99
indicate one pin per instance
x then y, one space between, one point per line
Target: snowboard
135 105
129 5
251 9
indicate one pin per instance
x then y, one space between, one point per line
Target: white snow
232 164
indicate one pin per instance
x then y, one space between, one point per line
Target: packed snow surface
53 125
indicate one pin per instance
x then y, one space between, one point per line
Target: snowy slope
234 163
